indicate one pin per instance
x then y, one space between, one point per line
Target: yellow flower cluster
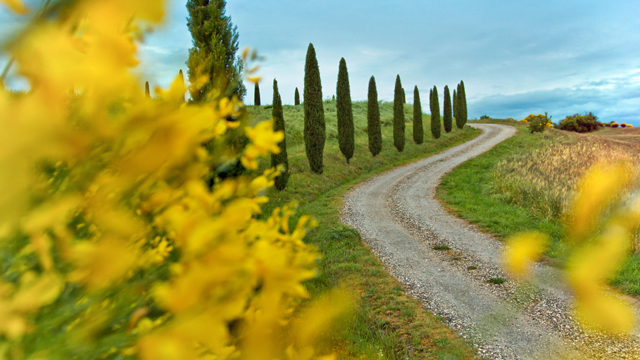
532 117
597 245
111 242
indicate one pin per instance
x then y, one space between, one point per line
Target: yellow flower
522 250
16 6
599 186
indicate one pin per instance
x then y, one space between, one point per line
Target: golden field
545 179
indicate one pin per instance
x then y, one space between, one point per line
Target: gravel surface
401 221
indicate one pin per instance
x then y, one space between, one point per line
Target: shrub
485 117
398 116
510 119
539 123
623 125
112 245
314 124
374 130
346 140
615 125
580 123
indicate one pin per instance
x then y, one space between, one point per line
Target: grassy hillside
631 135
387 324
526 183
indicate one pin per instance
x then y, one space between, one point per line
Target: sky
515 57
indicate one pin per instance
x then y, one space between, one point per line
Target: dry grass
544 179
631 135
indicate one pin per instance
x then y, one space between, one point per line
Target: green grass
467 191
496 281
441 247
387 323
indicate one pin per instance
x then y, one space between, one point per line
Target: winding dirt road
401 221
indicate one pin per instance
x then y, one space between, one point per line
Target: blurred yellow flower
16 6
599 186
522 250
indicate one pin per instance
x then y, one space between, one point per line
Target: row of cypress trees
314 119
256 96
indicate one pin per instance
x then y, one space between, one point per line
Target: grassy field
631 135
387 323
526 183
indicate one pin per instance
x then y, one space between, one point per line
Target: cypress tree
398 117
457 114
436 127
373 119
455 101
256 96
181 75
314 125
296 100
463 103
147 93
447 120
346 139
418 130
278 125
431 101
215 43
404 98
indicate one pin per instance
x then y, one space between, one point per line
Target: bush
485 117
614 125
538 123
623 125
113 245
581 123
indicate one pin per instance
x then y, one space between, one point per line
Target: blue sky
515 57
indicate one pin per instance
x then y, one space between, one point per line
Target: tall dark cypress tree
431 102
215 43
457 114
404 98
296 100
278 125
455 107
256 95
346 139
147 93
418 130
373 119
463 103
398 117
314 125
447 118
436 127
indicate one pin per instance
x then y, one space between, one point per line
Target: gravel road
400 219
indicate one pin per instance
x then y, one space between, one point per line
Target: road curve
400 219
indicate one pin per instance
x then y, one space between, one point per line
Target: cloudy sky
515 57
